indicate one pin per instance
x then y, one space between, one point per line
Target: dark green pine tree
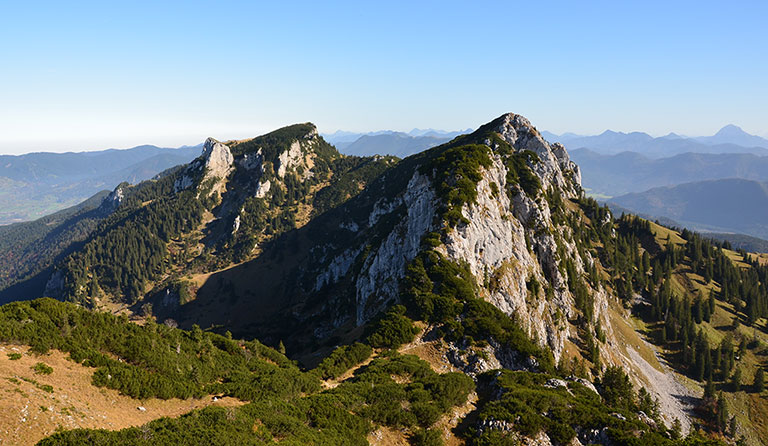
706 313
698 366
717 357
677 429
709 389
736 380
708 272
722 413
698 310
759 384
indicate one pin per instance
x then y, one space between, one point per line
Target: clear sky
89 75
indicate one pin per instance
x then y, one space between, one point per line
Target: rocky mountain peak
217 159
731 130
112 201
556 167
312 131
510 125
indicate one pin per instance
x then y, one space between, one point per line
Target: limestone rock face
262 189
183 182
218 159
251 161
216 162
510 242
379 278
556 167
289 158
55 284
474 360
112 201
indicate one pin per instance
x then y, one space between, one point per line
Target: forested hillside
27 249
37 184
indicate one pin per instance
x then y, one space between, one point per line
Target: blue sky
89 75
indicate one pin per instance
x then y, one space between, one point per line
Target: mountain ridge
707 204
483 250
37 184
727 140
626 172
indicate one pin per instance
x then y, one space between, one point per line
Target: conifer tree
706 313
677 429
736 380
722 413
709 389
759 384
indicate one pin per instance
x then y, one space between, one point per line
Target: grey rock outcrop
217 159
112 201
509 240
513 241
289 158
556 167
216 162
379 278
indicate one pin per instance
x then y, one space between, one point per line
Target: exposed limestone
236 225
112 201
216 162
289 158
554 383
595 436
584 382
522 135
217 158
495 246
378 281
262 189
339 267
382 207
55 284
183 182
251 161
349 226
474 360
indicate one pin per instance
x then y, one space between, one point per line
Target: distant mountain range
623 173
708 183
733 134
37 184
726 205
388 142
397 144
730 139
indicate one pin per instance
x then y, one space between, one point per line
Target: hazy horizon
184 142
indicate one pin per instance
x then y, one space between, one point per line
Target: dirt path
674 398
